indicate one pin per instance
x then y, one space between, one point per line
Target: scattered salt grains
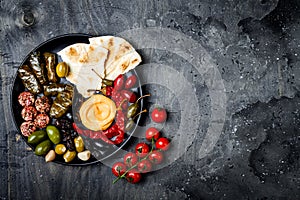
187 181
150 22
234 129
18 137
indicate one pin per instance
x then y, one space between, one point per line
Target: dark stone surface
253 44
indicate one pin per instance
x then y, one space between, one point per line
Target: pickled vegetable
60 149
50 59
62 69
37 137
79 145
43 148
53 134
107 82
69 156
29 80
129 125
132 110
84 155
38 67
50 156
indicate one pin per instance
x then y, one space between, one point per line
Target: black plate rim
13 114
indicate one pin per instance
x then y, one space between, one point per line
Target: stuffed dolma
62 102
38 67
29 80
54 88
50 60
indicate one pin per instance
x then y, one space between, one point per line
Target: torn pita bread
83 59
122 57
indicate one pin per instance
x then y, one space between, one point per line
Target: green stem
123 175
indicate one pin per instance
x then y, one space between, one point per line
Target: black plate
99 149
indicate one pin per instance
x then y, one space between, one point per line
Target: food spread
87 69
108 105
98 112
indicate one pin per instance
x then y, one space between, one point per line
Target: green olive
53 134
79 145
62 69
43 148
37 137
60 149
132 109
69 156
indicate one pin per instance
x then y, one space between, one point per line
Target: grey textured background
255 46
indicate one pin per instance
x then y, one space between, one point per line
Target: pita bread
83 59
122 57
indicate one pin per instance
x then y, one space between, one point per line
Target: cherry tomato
133 176
156 157
130 159
130 82
152 133
144 166
118 169
162 143
119 82
142 149
159 115
129 95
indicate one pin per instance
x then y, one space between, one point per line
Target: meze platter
76 98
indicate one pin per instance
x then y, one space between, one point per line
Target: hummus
98 112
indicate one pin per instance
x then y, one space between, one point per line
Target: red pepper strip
81 131
112 131
100 135
86 133
105 139
95 134
115 131
77 129
119 139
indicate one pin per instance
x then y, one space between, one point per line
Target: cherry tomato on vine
131 81
162 143
144 166
118 169
159 115
156 157
133 176
119 82
142 149
130 159
152 133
